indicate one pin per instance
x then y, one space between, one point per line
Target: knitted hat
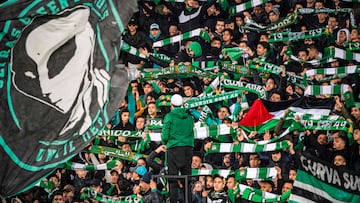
176 100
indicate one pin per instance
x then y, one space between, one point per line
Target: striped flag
317 181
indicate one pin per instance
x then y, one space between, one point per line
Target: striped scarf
344 54
178 38
89 167
245 6
333 71
244 174
328 10
219 132
255 195
125 47
246 147
314 90
281 23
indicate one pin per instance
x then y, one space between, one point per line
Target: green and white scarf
293 126
91 193
125 47
234 53
244 174
314 90
219 132
246 147
212 87
333 71
245 6
265 67
205 100
353 46
118 153
294 36
238 69
257 89
177 71
89 167
328 10
178 38
256 195
344 54
120 133
205 113
281 23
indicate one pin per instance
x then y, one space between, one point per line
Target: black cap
133 21
95 182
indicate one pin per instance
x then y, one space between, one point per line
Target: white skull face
69 89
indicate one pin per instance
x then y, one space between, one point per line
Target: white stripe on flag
225 147
316 191
300 199
324 112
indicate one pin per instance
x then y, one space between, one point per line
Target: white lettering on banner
330 175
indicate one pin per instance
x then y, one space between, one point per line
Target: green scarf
89 167
187 35
247 147
245 6
91 193
257 89
294 36
240 175
314 90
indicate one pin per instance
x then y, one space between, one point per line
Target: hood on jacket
347 32
179 113
196 48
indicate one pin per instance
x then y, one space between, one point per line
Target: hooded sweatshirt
196 48
178 129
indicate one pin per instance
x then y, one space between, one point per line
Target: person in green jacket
178 136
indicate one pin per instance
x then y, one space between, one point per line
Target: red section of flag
257 115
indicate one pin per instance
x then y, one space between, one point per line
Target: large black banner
58 81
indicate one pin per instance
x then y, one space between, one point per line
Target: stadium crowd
232 57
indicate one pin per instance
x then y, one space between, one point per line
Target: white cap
176 100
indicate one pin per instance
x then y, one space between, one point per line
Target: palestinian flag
264 114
